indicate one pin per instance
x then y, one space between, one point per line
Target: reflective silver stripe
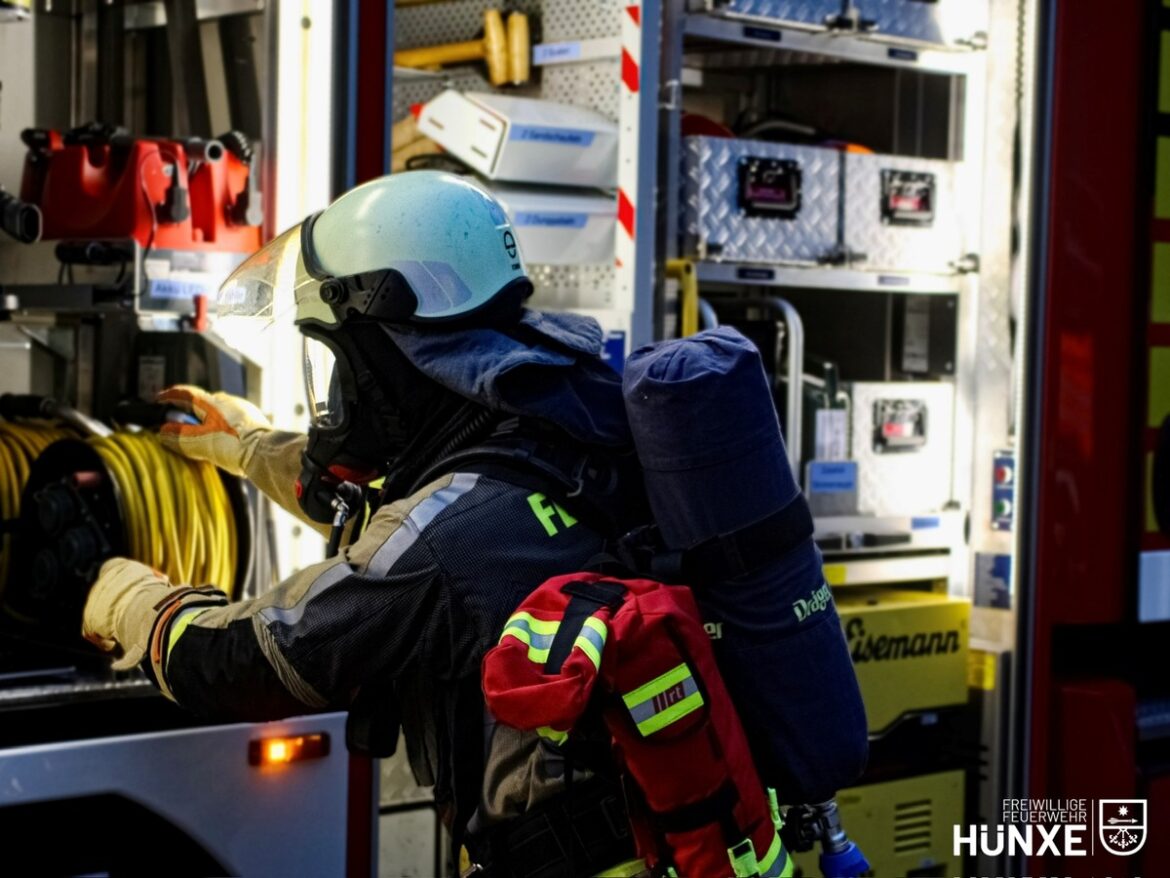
536 641
292 615
404 536
423 514
594 637
654 705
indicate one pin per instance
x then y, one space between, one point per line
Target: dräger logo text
812 604
865 648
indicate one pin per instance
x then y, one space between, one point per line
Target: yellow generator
905 827
909 649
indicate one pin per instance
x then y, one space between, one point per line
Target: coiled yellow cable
177 513
21 442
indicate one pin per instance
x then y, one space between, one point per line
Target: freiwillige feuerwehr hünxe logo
1121 825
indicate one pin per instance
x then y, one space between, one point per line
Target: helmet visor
322 384
271 283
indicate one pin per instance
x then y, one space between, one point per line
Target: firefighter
502 440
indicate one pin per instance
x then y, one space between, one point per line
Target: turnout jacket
406 613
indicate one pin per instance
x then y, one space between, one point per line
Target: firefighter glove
120 610
228 431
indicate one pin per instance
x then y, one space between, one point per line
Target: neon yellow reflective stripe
551 734
659 684
591 640
590 650
536 655
540 626
179 625
536 634
673 713
598 626
628 869
664 700
772 858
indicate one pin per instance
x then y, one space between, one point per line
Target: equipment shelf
826 277
701 29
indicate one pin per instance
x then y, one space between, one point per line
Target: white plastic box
524 140
558 227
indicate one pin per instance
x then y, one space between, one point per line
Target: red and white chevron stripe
628 124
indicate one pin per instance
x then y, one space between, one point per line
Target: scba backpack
749 662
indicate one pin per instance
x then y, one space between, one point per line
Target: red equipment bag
98 183
675 730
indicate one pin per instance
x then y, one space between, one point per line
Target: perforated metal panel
581 19
572 286
890 247
429 24
594 85
803 13
951 23
716 227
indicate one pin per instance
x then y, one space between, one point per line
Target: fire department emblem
1121 825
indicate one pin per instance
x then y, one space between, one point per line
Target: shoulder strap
725 556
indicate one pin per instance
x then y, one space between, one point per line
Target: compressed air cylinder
708 437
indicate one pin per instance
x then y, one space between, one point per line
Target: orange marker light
281 750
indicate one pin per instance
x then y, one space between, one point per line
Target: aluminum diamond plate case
751 201
899 471
948 23
901 214
801 13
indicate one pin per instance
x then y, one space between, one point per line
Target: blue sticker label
764 34
551 53
925 523
832 477
556 136
755 274
551 220
165 288
892 280
993 581
613 351
902 54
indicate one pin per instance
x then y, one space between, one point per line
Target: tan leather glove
227 434
235 436
119 611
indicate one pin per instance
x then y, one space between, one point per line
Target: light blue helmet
419 247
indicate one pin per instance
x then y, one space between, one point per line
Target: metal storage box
555 227
947 23
902 439
751 201
901 214
799 13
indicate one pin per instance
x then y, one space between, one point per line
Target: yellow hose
21 442
177 513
